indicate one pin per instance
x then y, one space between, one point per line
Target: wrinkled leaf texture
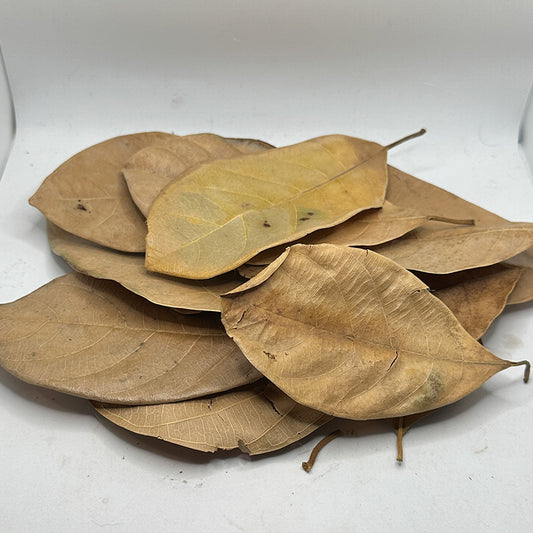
353 334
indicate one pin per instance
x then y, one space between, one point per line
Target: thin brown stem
399 439
459 221
404 139
307 465
527 370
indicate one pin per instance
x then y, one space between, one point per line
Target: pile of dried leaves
373 311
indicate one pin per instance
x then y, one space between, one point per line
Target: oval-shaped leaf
225 212
151 169
257 420
128 270
87 195
355 335
94 339
451 250
369 228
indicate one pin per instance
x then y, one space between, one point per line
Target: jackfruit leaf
459 248
407 191
87 195
128 270
94 339
476 302
369 228
151 169
351 333
223 213
256 419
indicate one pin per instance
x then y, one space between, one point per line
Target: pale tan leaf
460 248
151 169
477 300
369 228
257 420
355 335
87 195
223 213
94 339
128 270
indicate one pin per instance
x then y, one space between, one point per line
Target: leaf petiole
307 465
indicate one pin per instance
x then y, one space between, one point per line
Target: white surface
280 71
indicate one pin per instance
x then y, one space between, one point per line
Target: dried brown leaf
461 248
369 228
128 270
477 300
87 195
151 169
94 339
256 419
407 191
355 335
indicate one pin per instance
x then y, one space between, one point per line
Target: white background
281 71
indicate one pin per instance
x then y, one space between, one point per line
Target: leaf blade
220 215
367 340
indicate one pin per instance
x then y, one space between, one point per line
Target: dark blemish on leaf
310 213
246 205
238 321
304 218
81 207
273 406
393 361
210 403
266 224
270 355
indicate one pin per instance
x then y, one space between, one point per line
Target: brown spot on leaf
81 207
266 224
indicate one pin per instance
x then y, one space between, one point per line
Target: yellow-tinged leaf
256 419
353 334
94 339
128 270
223 213
151 169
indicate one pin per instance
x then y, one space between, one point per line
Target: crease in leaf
221 214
